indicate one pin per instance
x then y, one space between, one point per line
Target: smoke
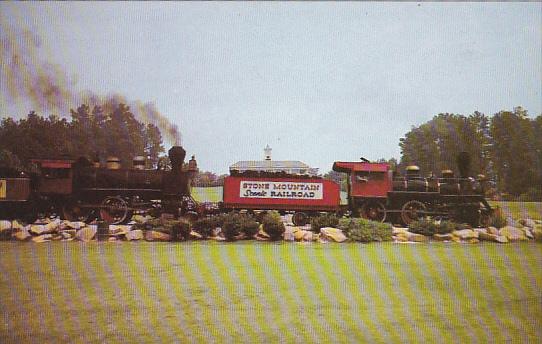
26 77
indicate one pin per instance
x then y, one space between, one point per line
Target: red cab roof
347 167
51 163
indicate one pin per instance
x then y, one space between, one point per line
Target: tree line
505 147
96 133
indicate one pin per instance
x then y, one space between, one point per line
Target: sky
317 81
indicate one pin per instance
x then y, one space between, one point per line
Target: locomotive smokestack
463 164
176 157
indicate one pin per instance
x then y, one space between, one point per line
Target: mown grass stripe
37 308
341 287
244 292
15 313
288 322
71 282
218 271
130 281
361 268
201 326
396 276
333 297
81 268
113 285
380 291
469 284
355 287
519 291
305 272
155 260
266 296
218 317
59 296
286 268
152 301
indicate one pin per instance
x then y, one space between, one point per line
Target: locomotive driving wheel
75 210
114 210
373 210
412 211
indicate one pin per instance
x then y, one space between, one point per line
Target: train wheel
114 210
73 210
373 210
411 211
300 219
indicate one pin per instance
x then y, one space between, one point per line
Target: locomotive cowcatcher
81 190
375 193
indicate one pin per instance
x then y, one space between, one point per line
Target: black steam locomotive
81 190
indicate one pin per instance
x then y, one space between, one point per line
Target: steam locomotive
80 190
374 190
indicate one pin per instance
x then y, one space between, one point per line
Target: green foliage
100 131
363 230
235 225
327 220
206 225
272 225
428 226
498 218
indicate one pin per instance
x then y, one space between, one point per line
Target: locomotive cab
368 186
56 176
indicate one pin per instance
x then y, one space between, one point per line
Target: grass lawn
262 292
520 210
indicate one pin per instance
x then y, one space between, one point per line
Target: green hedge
327 220
362 230
272 225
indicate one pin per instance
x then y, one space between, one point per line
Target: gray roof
268 164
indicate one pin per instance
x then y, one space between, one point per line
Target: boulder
473 240
512 233
53 226
308 236
537 232
75 225
416 237
288 233
112 239
261 233
399 238
493 230
66 234
465 234
42 238
86 234
399 230
332 234
195 235
136 234
21 234
443 237
157 236
5 225
119 229
221 238
528 232
527 223
298 235
37 229
480 230
141 219
16 225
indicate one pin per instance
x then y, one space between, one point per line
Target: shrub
272 225
179 229
234 225
363 230
205 226
498 219
327 220
428 226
